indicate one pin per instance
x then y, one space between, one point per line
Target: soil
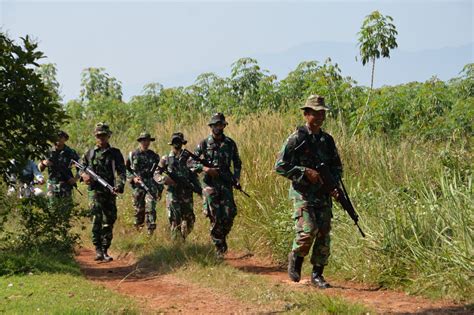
165 293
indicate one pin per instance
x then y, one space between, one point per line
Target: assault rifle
329 184
188 154
93 174
179 181
144 186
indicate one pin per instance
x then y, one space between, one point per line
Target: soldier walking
61 180
307 147
181 181
105 161
220 152
141 165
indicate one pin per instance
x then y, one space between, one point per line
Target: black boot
99 254
107 258
221 249
295 263
317 278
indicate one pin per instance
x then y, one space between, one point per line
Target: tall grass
415 200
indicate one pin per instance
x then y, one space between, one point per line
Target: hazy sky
153 41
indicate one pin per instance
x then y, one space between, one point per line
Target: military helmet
217 118
102 129
145 136
62 134
315 102
177 137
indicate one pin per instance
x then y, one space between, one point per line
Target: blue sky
168 42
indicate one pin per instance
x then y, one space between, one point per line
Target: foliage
376 38
29 112
42 224
48 73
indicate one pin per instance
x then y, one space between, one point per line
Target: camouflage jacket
221 154
186 180
60 171
142 163
105 162
304 150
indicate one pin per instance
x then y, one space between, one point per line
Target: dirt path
157 293
383 301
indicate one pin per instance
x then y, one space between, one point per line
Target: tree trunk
373 71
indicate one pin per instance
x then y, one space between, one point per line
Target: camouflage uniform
218 196
104 162
142 163
312 208
179 197
60 172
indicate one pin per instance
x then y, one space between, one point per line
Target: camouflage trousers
104 215
181 217
145 209
220 207
313 224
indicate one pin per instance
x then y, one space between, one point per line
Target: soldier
220 152
181 182
60 178
141 165
104 160
308 146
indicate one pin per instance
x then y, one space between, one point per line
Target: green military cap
177 137
217 118
102 129
145 136
315 102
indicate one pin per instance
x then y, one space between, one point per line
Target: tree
48 74
376 38
30 114
96 84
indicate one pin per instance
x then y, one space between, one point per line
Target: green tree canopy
376 38
30 113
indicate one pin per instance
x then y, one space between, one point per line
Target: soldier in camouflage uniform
141 165
181 181
105 161
308 146
61 180
220 152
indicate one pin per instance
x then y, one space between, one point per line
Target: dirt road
158 293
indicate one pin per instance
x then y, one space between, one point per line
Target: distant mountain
402 67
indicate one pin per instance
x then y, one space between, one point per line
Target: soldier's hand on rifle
137 179
71 181
118 189
211 171
86 178
313 176
169 181
335 193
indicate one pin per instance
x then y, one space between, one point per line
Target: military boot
107 257
295 263
317 278
99 254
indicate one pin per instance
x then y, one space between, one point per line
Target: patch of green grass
21 262
59 294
